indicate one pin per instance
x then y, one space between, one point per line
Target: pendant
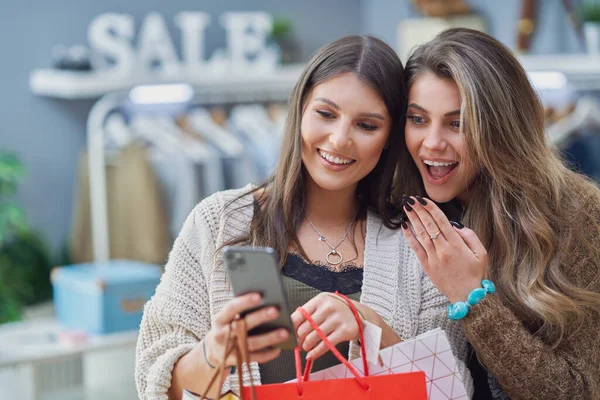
336 254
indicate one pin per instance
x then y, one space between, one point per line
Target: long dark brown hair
281 207
525 203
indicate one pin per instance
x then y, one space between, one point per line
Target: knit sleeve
178 315
525 366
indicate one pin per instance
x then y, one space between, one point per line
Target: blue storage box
104 297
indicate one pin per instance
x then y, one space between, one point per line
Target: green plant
590 11
24 260
282 27
282 35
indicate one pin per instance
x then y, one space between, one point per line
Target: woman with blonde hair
515 241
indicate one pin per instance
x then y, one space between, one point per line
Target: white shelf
37 340
273 85
36 365
582 71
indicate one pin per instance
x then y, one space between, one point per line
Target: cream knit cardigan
193 289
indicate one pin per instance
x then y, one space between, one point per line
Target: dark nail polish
457 224
404 225
409 200
421 200
407 207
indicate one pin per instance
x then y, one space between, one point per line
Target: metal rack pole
97 174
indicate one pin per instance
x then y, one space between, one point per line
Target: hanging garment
137 224
206 159
238 168
177 180
176 175
253 126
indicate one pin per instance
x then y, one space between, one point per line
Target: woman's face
345 125
434 139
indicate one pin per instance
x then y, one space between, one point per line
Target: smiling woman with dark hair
327 213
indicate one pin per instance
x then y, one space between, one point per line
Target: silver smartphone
255 269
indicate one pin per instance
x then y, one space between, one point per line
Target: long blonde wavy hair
525 204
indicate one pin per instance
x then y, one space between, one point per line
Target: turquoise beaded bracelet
460 309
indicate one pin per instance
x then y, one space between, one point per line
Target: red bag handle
363 350
332 348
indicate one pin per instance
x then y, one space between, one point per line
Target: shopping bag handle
361 331
359 320
301 378
240 346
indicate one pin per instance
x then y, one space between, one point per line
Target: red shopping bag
406 386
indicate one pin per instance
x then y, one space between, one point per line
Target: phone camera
235 260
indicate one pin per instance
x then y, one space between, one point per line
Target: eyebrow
448 114
362 114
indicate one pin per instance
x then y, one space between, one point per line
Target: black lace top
302 281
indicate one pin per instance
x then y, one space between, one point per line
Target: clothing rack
263 88
98 116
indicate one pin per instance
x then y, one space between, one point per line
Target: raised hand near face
451 255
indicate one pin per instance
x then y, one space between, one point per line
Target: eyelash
325 114
367 127
413 118
361 125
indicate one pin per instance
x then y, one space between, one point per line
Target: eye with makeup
416 119
367 127
325 114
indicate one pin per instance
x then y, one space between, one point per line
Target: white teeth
332 159
439 164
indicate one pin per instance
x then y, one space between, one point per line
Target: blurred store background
118 117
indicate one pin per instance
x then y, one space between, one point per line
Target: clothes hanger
253 120
201 153
586 112
146 128
118 134
116 137
201 123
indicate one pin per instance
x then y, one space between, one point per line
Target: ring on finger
435 235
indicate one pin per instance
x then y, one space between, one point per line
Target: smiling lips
438 172
335 160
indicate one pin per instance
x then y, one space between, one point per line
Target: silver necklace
333 251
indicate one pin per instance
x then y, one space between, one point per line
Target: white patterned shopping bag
429 352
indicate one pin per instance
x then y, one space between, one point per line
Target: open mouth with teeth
335 160
439 170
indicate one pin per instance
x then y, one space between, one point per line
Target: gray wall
48 134
553 34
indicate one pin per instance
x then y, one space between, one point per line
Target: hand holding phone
261 347
255 270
